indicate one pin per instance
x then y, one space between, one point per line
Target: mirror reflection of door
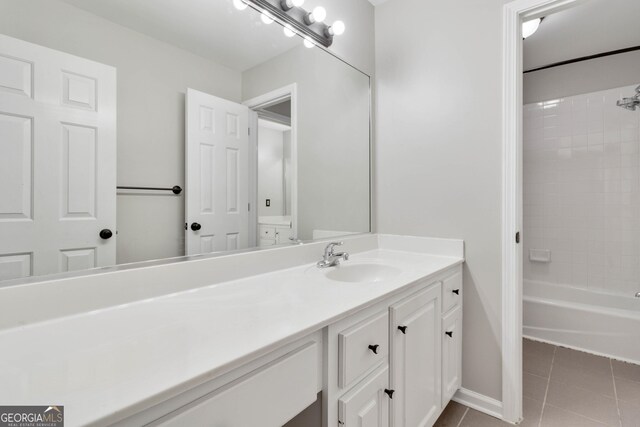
217 174
57 161
274 174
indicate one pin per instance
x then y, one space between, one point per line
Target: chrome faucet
331 258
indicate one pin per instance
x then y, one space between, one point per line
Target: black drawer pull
403 329
450 333
374 348
456 291
389 392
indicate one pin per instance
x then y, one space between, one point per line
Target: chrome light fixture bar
300 20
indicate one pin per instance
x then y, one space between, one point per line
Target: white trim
290 91
513 15
479 402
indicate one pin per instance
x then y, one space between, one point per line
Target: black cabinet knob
389 392
195 226
374 348
456 291
402 329
449 333
106 234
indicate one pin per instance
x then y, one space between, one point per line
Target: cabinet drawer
268 396
367 405
362 347
267 232
451 292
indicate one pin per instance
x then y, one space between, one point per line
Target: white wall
582 77
438 150
582 191
152 79
332 136
270 171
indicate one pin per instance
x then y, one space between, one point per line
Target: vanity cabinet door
367 404
415 359
451 354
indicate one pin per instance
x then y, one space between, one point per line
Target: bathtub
598 323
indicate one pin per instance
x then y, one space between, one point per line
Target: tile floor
565 388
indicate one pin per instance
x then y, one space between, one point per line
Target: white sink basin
355 273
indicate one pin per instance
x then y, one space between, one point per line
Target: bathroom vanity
379 336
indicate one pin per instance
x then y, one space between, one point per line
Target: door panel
217 170
451 354
415 359
58 158
366 405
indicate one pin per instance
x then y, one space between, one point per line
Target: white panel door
57 161
217 174
415 359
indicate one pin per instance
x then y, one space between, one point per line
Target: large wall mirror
137 130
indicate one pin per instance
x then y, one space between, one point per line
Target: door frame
289 91
514 13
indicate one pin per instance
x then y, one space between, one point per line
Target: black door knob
389 392
403 329
106 234
450 334
195 226
456 291
374 348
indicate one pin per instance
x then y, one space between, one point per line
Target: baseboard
479 402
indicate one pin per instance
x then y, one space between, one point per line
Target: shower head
630 103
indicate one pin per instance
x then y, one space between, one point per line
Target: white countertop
119 360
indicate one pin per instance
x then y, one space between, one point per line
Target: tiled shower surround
582 191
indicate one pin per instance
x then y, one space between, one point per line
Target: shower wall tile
581 191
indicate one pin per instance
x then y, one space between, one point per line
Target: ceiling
211 29
594 27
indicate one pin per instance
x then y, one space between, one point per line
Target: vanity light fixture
319 14
337 29
288 4
296 20
530 27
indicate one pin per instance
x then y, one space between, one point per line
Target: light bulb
319 14
266 18
288 31
308 43
338 28
240 5
297 3
530 27
288 4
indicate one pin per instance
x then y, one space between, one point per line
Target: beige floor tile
584 402
569 358
596 381
625 370
556 417
531 412
451 415
538 348
534 387
629 414
474 418
536 365
628 391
